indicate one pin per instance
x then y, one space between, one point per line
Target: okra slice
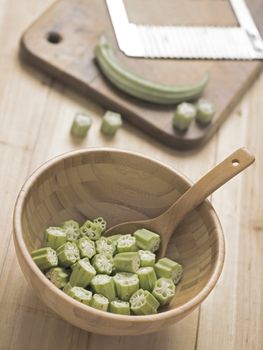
120 307
126 284
114 238
103 263
184 115
168 268
104 285
126 243
147 278
205 111
45 258
67 288
147 240
147 258
104 246
143 303
55 237
80 294
111 122
91 230
82 273
68 254
58 276
99 302
81 124
71 228
86 247
127 262
100 221
164 290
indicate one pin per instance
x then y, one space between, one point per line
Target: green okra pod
82 273
99 302
68 254
126 284
114 238
55 237
120 307
139 87
71 228
147 277
168 268
164 290
147 240
126 243
104 285
58 276
86 247
103 263
184 115
45 258
127 262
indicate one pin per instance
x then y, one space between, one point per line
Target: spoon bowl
166 223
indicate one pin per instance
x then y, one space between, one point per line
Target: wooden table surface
35 116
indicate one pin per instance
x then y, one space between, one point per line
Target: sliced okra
127 262
183 116
99 302
80 294
82 273
103 263
58 276
205 111
147 258
55 237
111 122
147 277
71 228
126 284
81 125
104 285
164 290
147 240
168 268
104 246
91 230
120 307
67 288
68 254
114 238
126 243
45 258
143 303
101 222
86 247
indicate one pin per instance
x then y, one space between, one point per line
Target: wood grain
80 24
231 316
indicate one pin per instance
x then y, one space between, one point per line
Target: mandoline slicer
187 42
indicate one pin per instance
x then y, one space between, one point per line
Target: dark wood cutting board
62 42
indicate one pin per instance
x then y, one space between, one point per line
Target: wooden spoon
166 223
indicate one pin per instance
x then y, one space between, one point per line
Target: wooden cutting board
62 40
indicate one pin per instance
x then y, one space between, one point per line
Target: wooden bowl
119 186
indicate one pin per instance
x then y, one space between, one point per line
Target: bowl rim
169 314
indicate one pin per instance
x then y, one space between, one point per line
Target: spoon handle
215 178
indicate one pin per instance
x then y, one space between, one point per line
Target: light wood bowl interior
120 186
